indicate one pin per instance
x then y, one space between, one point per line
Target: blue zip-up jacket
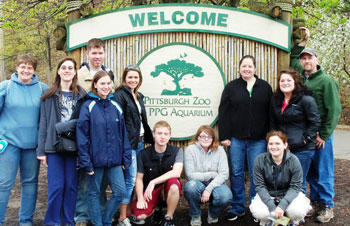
101 135
19 111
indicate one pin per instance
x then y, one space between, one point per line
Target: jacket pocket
151 171
296 139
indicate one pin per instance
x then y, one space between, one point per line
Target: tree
329 24
28 27
177 69
328 21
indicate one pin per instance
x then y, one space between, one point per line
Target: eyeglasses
135 67
204 137
69 68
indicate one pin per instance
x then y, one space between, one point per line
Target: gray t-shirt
179 158
67 104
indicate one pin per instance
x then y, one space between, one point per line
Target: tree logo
182 84
177 70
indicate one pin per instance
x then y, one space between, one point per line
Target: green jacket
325 90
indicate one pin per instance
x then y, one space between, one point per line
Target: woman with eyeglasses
243 124
138 130
294 111
19 121
206 168
278 179
59 103
104 147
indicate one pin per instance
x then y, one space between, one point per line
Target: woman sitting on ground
206 168
278 179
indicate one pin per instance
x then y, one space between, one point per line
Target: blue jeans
238 152
115 179
305 159
26 160
130 174
81 210
321 175
62 189
220 198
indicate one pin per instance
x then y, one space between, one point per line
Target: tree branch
344 61
344 54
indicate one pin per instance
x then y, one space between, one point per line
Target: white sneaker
125 222
196 221
212 220
325 215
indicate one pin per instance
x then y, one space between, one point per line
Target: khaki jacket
85 79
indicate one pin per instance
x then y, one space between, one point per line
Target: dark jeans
62 189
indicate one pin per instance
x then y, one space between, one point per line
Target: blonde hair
162 123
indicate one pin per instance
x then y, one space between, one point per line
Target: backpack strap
41 87
8 87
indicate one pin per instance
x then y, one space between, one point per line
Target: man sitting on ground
158 167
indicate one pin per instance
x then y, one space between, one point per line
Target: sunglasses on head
133 67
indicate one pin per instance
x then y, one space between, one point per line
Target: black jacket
154 167
300 121
131 115
243 116
49 116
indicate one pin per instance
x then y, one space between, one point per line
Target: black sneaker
167 221
315 209
157 216
232 216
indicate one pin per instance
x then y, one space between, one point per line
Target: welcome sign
182 85
179 18
183 72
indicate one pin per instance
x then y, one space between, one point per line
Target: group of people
301 115
294 124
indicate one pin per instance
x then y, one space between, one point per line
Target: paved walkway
342 142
